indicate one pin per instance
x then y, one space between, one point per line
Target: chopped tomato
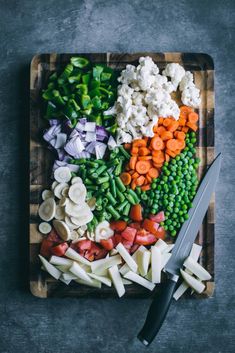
159 217
118 226
84 244
136 213
46 246
107 243
54 237
161 233
95 252
129 234
150 226
134 248
127 244
117 239
135 225
60 249
146 239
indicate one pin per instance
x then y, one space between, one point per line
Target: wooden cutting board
41 160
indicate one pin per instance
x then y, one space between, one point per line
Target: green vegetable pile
175 188
82 90
102 181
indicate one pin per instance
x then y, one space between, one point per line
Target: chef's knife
161 302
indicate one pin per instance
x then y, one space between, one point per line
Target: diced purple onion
111 143
74 146
60 140
91 147
89 126
73 167
53 122
90 136
100 149
52 132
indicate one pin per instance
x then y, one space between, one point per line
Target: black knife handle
157 311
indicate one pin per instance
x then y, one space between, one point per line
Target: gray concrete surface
32 325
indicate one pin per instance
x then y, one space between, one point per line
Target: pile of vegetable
111 205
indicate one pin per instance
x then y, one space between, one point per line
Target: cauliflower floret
156 95
134 132
128 75
149 64
111 111
125 90
191 96
137 98
123 137
176 72
147 130
186 81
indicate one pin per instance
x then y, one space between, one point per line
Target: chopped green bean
113 212
120 184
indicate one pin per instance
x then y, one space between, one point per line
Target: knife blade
161 301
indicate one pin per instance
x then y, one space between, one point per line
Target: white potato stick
63 268
60 261
93 283
156 259
52 270
161 245
65 281
127 257
126 282
125 268
169 248
193 282
143 261
68 276
78 271
180 290
102 279
117 280
72 254
165 258
103 264
195 251
132 276
196 269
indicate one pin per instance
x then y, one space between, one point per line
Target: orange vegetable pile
149 154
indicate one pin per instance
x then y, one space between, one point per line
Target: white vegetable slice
93 283
117 280
194 283
156 264
165 257
113 252
168 249
83 219
76 180
91 203
44 228
63 201
46 194
195 251
63 268
62 174
71 225
77 193
197 269
52 270
140 280
74 210
103 231
53 185
143 260
161 245
59 213
60 261
126 281
102 279
78 271
46 210
68 276
65 191
62 229
127 257
72 254
74 236
125 268
100 265
65 281
180 290
58 190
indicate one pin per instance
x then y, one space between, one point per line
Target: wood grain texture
41 159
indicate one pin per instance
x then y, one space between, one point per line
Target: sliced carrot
131 172
127 167
133 184
144 151
126 178
185 129
140 181
158 157
134 150
184 111
139 143
167 122
148 177
144 158
166 135
172 144
182 121
173 126
145 187
158 165
136 213
145 181
181 144
142 167
160 130
155 128
177 152
160 120
157 143
170 153
133 161
127 146
180 135
135 175
167 157
192 126
193 117
153 173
